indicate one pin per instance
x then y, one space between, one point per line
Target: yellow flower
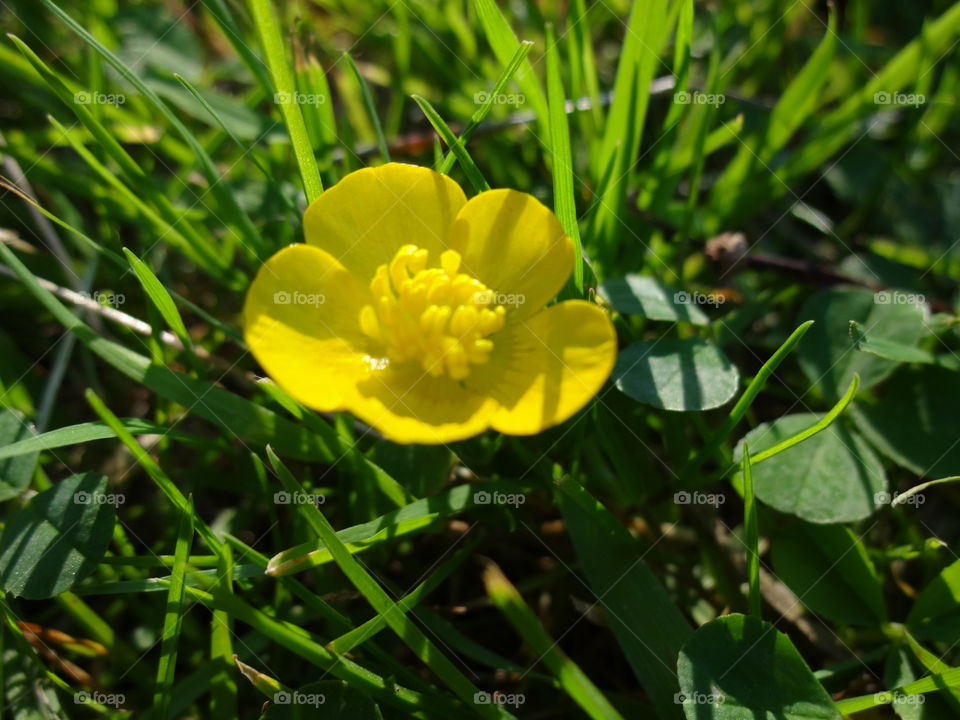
423 314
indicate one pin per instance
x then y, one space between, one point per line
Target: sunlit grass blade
505 45
160 298
463 157
370 106
173 616
564 203
523 49
572 679
819 426
743 403
285 94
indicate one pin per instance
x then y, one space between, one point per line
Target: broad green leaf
936 613
828 569
676 374
15 470
648 297
831 477
644 620
898 671
826 354
738 667
58 538
927 444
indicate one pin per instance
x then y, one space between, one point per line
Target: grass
769 188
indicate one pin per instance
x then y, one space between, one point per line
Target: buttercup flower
422 313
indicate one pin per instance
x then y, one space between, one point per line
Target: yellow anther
439 317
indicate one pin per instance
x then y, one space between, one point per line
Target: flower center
439 317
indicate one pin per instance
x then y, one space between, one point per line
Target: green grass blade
819 426
751 530
505 45
743 403
644 620
370 105
160 298
523 49
225 198
381 602
470 168
564 203
273 47
173 616
153 470
572 679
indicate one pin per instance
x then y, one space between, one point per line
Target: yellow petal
409 405
301 322
545 368
371 213
514 245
